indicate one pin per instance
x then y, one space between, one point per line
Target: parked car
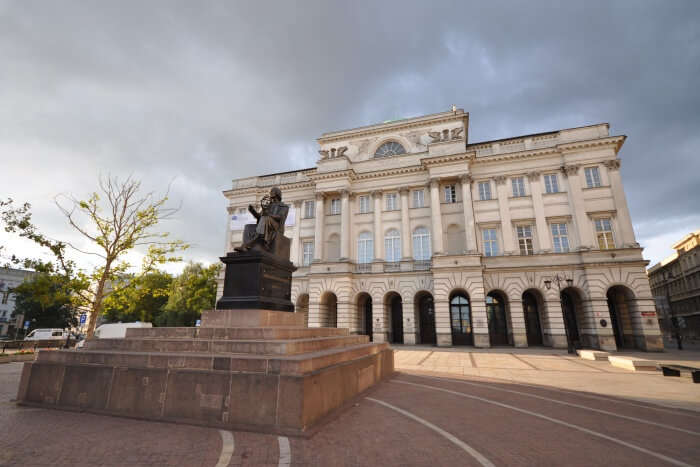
114 331
47 335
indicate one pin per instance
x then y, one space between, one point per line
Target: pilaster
438 248
543 238
296 235
378 240
575 195
553 328
344 225
468 207
517 322
405 226
623 216
318 229
509 247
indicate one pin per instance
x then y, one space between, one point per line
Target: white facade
431 239
9 279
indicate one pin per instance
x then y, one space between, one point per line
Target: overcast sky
205 92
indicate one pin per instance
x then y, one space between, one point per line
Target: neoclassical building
409 233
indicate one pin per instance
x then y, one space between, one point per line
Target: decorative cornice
390 172
347 173
617 141
612 164
438 160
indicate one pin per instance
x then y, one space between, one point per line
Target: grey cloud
204 92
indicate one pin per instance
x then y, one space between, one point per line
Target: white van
47 335
114 331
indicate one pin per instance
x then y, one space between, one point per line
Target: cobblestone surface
509 423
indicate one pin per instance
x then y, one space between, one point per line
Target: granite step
235 333
299 364
221 346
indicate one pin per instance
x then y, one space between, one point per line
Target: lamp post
569 282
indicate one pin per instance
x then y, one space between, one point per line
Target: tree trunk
97 302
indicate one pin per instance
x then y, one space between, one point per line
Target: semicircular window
391 148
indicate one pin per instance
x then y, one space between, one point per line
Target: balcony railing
422 265
392 267
363 268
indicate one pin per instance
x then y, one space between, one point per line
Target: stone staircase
255 370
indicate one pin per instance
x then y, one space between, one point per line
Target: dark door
532 320
426 312
396 320
496 312
615 322
368 317
569 309
461 321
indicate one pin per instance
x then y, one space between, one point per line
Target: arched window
421 244
390 148
365 248
392 245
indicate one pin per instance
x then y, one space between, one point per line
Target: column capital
230 209
404 190
376 193
344 193
571 169
612 164
434 182
500 179
466 179
533 176
298 203
320 196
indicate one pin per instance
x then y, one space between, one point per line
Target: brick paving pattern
529 408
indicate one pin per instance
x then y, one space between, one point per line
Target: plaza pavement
529 407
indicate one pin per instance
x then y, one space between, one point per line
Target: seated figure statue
270 225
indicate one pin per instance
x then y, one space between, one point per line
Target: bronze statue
273 213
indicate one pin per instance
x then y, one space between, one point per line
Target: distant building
407 232
675 284
9 280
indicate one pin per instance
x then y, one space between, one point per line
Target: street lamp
569 282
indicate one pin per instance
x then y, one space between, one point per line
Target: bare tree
115 221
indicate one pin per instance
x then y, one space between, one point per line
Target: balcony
394 266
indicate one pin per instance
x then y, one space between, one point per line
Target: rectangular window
592 177
418 199
392 247
525 239
309 208
335 206
308 253
391 204
603 229
551 185
560 238
484 191
364 204
490 242
518 186
450 194
365 248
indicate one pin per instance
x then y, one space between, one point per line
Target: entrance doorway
533 327
364 308
570 302
396 313
426 316
461 320
496 313
619 302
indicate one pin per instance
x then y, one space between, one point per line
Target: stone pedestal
256 279
256 370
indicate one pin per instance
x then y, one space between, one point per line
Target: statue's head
276 193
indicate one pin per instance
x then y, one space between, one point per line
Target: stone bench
592 354
632 363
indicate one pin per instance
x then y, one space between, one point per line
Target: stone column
296 235
405 225
378 240
509 247
626 237
543 237
580 219
469 232
344 225
409 322
517 322
227 243
595 310
436 216
318 232
554 330
379 324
